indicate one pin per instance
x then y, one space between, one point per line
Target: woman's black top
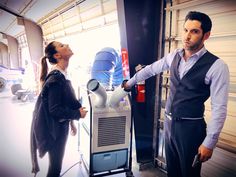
55 107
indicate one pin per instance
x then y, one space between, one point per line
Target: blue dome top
107 68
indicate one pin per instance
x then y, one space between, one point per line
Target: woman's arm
73 128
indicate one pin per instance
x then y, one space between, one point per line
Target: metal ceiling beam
5 8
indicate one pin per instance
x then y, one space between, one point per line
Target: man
195 74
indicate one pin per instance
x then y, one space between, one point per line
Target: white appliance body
105 134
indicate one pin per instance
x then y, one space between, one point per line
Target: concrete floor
15 159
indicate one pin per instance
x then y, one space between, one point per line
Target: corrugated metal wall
78 17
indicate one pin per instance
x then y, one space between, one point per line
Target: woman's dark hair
205 20
49 51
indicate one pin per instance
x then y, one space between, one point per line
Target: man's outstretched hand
125 86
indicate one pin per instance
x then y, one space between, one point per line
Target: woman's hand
83 112
73 129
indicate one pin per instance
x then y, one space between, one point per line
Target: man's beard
193 47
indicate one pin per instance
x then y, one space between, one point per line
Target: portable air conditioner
106 132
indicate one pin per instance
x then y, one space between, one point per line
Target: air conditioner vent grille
111 131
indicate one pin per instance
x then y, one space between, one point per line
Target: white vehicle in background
13 79
9 77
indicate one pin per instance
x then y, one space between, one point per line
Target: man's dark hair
205 20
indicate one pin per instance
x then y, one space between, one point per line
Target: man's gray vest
187 95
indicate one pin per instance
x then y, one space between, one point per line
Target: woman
55 109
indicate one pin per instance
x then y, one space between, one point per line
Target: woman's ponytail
44 70
49 51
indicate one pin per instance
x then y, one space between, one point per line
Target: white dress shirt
217 76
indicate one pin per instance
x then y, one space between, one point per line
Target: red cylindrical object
140 97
